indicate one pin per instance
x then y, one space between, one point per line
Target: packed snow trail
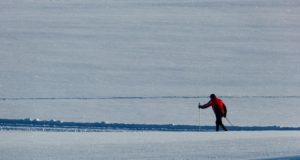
60 126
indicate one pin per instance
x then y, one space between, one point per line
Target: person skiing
219 109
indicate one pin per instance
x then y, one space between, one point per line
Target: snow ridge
56 125
138 97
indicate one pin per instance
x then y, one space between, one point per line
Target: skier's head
213 96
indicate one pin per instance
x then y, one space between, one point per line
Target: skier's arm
205 105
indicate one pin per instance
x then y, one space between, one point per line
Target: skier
219 109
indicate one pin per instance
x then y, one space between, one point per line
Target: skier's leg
222 125
218 122
217 125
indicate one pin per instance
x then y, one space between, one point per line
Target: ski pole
199 118
228 121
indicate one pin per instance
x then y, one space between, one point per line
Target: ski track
60 126
137 97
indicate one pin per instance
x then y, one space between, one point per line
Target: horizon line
139 97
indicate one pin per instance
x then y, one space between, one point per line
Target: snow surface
90 48
244 111
148 63
149 145
55 125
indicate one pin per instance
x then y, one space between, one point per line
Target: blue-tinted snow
149 48
181 48
59 56
56 125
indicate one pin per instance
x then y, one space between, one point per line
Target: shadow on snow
60 126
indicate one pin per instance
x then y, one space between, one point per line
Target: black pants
219 123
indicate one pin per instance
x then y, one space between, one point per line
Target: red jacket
218 106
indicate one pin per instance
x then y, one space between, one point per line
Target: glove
199 105
225 114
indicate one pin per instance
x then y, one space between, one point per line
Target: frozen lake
61 56
242 111
100 48
150 62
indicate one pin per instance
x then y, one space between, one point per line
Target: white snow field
121 79
149 145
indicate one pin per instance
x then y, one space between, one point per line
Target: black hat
213 96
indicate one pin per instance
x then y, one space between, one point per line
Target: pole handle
199 119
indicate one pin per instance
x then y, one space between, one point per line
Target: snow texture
149 145
144 65
55 125
89 48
